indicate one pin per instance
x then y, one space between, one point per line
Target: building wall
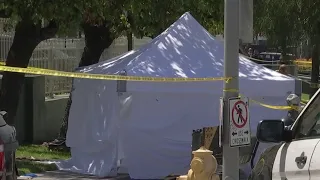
38 119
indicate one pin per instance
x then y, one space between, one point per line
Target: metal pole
246 21
231 69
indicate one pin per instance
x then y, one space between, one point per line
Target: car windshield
310 120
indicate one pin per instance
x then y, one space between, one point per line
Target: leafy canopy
143 17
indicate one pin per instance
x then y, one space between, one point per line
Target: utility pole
246 21
231 69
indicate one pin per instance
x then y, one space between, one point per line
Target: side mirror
288 121
272 131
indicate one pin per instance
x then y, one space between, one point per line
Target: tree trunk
130 41
284 49
314 70
97 39
27 36
315 62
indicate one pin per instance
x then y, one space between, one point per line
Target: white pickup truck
298 154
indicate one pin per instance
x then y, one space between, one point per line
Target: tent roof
185 49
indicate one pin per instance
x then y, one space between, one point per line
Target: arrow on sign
246 132
234 133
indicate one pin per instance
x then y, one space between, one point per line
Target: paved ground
57 175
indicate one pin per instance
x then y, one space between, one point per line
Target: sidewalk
57 175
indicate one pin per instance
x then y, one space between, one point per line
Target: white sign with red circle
240 134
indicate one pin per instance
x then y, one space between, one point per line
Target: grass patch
40 152
305 98
25 167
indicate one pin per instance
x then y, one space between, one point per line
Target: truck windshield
310 120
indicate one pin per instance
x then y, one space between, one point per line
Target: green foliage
25 167
40 152
309 16
287 22
41 12
143 17
151 17
209 13
278 20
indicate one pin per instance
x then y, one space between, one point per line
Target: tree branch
4 13
49 31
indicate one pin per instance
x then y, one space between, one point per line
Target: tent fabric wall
149 127
154 130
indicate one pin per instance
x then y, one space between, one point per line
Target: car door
315 164
297 159
293 159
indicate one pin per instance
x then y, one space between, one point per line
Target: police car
297 152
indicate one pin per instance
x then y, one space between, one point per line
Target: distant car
273 57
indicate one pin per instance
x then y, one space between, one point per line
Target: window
309 122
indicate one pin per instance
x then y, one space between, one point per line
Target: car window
309 125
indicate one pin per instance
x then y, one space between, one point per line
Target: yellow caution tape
303 102
29 67
48 72
263 104
275 107
302 62
259 60
230 90
39 71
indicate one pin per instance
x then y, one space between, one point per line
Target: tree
152 17
286 22
279 21
34 21
310 22
209 13
102 23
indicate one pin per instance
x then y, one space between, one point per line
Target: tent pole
231 69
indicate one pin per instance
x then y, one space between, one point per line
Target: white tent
149 126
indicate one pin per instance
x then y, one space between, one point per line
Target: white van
298 154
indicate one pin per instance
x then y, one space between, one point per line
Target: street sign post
221 121
230 156
240 134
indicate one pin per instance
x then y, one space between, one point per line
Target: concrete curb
63 175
